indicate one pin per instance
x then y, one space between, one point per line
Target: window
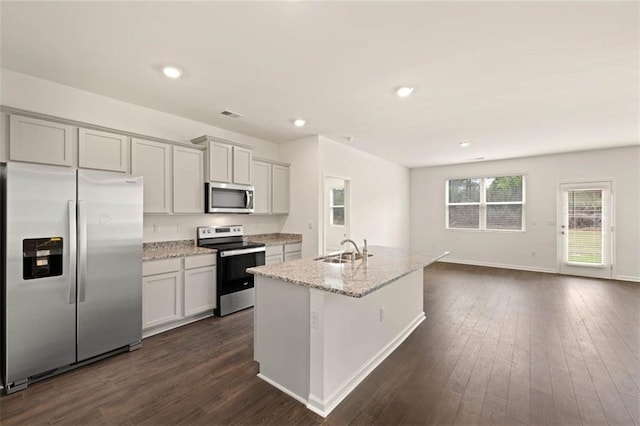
336 205
489 203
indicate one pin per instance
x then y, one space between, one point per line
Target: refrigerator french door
72 268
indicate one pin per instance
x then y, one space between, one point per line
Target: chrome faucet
350 241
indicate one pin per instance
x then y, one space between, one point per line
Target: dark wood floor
498 347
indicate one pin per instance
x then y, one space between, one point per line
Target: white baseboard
170 326
528 268
500 265
282 388
627 278
324 407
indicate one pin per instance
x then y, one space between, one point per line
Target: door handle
72 252
82 250
562 232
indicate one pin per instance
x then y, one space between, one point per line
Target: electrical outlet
180 227
383 312
310 225
533 253
156 228
315 319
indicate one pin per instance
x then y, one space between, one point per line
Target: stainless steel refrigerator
71 268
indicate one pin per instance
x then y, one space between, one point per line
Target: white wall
543 174
168 225
45 97
379 191
304 179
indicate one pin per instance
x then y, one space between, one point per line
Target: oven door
234 285
229 198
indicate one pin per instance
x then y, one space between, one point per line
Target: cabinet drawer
273 250
289 248
199 261
154 267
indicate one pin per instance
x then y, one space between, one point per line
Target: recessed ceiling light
172 72
299 122
405 91
464 144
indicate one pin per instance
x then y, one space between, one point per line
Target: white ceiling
513 78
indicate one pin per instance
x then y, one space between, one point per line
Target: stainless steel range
234 286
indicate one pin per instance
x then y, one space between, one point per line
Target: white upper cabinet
220 162
40 141
271 183
188 180
279 189
261 181
226 162
102 150
152 160
242 165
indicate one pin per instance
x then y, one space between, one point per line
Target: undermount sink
344 258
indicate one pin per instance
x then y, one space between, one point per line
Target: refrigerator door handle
82 250
72 252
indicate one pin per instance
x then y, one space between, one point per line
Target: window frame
482 224
332 206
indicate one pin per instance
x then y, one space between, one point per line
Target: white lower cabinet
273 254
177 291
279 253
161 299
199 293
292 256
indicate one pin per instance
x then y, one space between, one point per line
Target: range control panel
220 231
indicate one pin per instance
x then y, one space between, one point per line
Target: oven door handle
239 252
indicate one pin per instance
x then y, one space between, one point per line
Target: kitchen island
321 327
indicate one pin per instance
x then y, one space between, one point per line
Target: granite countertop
273 239
355 279
168 249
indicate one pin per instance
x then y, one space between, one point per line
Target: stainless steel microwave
228 198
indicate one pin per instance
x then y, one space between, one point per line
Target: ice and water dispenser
41 257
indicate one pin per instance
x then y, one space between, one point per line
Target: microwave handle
248 195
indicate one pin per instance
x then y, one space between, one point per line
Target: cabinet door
274 254
40 141
242 165
292 256
188 180
152 160
199 290
280 189
102 150
220 162
273 259
161 299
261 181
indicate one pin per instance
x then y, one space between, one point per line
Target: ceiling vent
231 114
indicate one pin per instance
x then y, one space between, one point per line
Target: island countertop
355 279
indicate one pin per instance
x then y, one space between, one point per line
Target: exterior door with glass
585 229
336 213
